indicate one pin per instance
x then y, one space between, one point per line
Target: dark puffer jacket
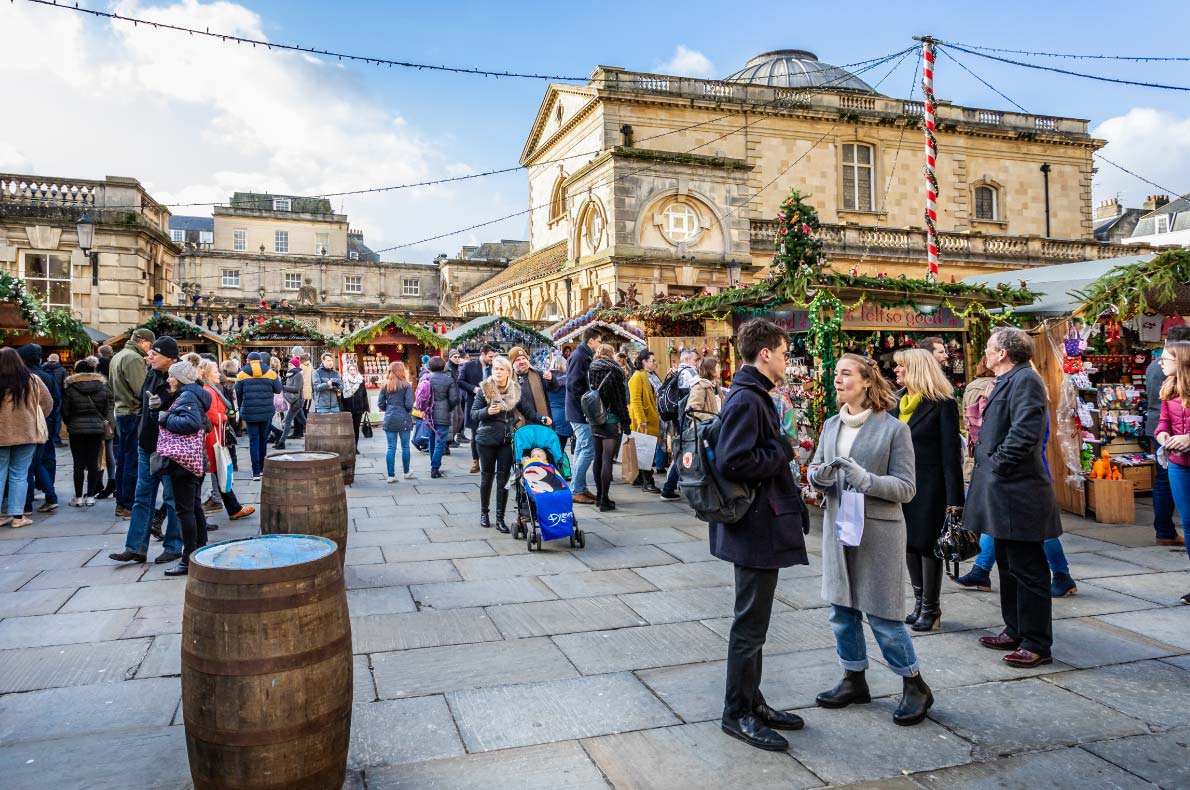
494 430
255 387
86 403
606 376
446 396
188 413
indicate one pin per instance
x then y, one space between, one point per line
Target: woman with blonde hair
396 403
1173 429
866 449
927 405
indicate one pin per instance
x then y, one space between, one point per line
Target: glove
154 401
856 476
161 417
823 475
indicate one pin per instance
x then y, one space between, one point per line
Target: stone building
655 184
1163 222
132 258
473 265
1114 222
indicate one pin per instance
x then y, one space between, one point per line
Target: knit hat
143 334
297 351
166 346
425 359
184 372
295 362
515 353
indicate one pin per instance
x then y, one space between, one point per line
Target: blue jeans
438 441
893 637
1053 554
584 455
126 462
1163 504
42 472
1179 485
258 445
390 455
15 461
144 502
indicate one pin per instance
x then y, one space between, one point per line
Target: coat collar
1001 383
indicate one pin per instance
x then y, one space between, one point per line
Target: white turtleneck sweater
849 425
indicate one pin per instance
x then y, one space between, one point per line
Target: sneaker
77 501
244 512
1062 585
256 478
1186 599
212 506
390 479
670 497
89 501
976 579
409 475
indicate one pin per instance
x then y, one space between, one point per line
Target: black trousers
495 464
754 588
84 451
190 514
1025 601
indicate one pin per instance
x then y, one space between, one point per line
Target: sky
195 119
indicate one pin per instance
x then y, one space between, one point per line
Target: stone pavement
481 665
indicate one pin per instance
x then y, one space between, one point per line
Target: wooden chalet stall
24 320
277 336
191 337
393 338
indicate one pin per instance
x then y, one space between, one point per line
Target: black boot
484 521
931 607
916 700
501 504
852 689
639 481
913 563
650 485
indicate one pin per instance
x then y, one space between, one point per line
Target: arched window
593 228
558 199
858 176
987 203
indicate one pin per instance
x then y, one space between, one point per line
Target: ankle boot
484 521
640 479
500 525
913 563
916 700
931 608
852 689
650 485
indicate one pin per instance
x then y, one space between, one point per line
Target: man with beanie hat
44 467
154 398
126 377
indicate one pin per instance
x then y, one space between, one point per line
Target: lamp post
733 273
85 228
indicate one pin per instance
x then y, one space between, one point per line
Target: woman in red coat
208 376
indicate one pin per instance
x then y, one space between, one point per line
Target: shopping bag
646 449
849 521
223 468
628 466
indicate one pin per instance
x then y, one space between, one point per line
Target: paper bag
646 449
628 466
849 521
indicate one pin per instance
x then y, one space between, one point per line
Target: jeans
671 480
1179 484
143 504
893 637
584 455
290 415
1163 504
258 445
15 461
438 440
1053 553
42 472
126 463
390 455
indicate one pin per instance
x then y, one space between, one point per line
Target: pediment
572 97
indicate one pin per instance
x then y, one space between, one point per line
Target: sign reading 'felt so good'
874 316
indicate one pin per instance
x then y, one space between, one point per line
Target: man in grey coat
1011 499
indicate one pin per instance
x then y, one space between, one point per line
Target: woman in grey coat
865 449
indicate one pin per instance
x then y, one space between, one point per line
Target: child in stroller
545 509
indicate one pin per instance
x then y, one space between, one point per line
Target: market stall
567 334
24 320
277 335
191 337
393 338
503 333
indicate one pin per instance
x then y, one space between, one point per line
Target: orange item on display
1104 469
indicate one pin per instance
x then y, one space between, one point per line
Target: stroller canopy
530 436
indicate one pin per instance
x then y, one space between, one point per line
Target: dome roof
797 68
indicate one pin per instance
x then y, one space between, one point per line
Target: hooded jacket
86 404
156 383
56 370
576 381
607 377
31 355
255 387
446 396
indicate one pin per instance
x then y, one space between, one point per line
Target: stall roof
605 327
1056 284
153 323
477 325
96 336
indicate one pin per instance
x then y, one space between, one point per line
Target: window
680 223
177 236
1161 223
985 204
206 237
239 239
410 287
594 229
322 243
857 177
48 278
281 204
558 199
281 241
231 278
353 255
353 284
293 281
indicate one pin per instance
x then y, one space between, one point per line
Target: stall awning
1056 285
97 337
369 331
605 328
478 326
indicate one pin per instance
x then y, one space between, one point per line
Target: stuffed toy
1104 469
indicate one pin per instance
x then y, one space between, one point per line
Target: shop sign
789 320
273 336
873 316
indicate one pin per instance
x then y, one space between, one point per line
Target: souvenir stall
567 334
277 335
503 333
393 338
24 320
191 337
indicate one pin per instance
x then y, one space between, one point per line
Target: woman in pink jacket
1173 429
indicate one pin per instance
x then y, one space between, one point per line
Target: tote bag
849 521
186 450
42 431
223 466
646 449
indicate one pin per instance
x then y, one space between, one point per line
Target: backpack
713 497
669 397
591 403
423 401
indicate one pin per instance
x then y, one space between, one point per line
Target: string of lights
986 84
1073 56
1068 72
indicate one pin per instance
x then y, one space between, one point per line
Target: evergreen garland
367 333
12 289
1146 287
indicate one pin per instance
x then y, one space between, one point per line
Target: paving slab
790 631
640 536
10 581
692 551
1166 589
12 546
805 593
548 618
1179 661
636 557
590 584
87 577
486 592
1171 626
395 520
693 757
1088 642
379 600
1162 759
1148 690
468 531
153 758
33 668
364 555
154 620
548 767
1089 565
861 743
122 596
964 611
46 561
399 574
1092 600
674 606
30 602
391 732
1076 544
88 710
164 658
75 542
957 659
691 574
363 685
407 537
1161 558
433 670
1056 768
538 563
63 629
378 633
558 710
436 551
1004 718
641 648
1118 534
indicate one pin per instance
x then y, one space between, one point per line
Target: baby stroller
545 509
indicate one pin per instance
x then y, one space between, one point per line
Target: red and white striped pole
931 216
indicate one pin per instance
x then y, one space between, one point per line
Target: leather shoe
916 700
474 467
128 556
852 689
485 521
501 527
1000 642
1026 659
778 719
181 569
166 556
754 732
584 498
1171 541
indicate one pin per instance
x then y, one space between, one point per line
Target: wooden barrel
332 433
302 493
266 665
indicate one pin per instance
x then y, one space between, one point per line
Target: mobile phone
835 464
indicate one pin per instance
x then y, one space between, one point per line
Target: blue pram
545 508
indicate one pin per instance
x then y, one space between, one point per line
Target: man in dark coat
770 536
1011 499
44 468
577 384
475 371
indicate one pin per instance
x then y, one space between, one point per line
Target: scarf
509 399
909 404
540 402
351 383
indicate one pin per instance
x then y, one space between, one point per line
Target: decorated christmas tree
799 257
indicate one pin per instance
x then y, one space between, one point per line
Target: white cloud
687 62
1149 142
196 119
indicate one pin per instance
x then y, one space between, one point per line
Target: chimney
1108 209
1154 202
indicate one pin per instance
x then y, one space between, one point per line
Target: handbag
280 405
41 431
108 432
366 427
849 520
956 543
186 450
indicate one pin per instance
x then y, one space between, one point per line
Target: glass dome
797 68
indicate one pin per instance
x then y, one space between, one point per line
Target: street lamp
733 274
85 228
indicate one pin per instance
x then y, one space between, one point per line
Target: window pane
848 153
60 266
984 207
849 188
59 292
35 266
865 154
37 288
864 188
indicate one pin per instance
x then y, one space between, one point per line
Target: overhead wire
1068 72
1074 56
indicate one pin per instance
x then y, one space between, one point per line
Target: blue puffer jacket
396 407
255 387
557 399
188 413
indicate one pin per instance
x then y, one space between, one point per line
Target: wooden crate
1141 475
1112 501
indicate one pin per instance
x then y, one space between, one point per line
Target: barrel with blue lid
266 665
302 493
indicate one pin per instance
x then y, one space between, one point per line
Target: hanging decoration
12 289
498 330
799 259
370 331
928 125
576 325
278 324
1137 288
58 324
68 331
823 343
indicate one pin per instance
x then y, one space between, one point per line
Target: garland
367 333
277 324
517 325
68 331
167 324
1136 288
58 324
12 289
822 341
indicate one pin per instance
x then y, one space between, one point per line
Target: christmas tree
799 251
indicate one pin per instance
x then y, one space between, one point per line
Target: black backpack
592 405
713 497
669 397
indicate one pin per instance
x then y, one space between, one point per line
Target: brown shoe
244 512
583 499
474 467
1000 642
1171 541
1026 659
123 512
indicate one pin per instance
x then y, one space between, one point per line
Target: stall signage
789 320
874 315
